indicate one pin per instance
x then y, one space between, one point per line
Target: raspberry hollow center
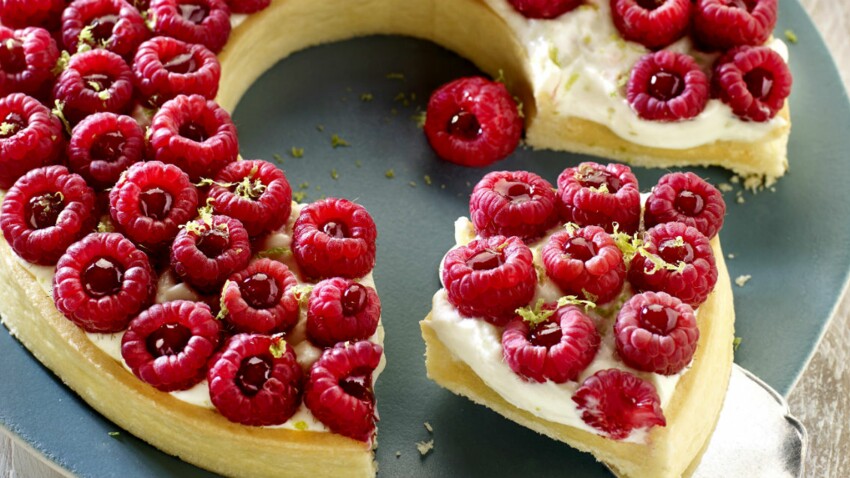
43 211
103 277
464 125
155 203
596 178
260 291
168 339
759 83
517 192
580 249
13 59
746 5
665 86
650 4
11 125
658 319
673 253
689 203
485 260
546 335
193 13
107 147
182 64
253 374
336 230
193 131
102 27
353 299
213 242
358 385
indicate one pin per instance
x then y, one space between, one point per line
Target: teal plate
792 241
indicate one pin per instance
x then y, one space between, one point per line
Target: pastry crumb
425 447
742 280
398 454
114 434
735 179
730 256
412 184
428 427
725 187
428 180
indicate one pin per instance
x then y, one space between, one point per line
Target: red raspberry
656 333
585 263
151 201
46 211
111 24
103 146
490 278
102 281
341 310
255 192
248 6
616 403
258 299
195 21
168 345
27 58
165 67
334 237
754 81
724 24
682 248
340 392
667 86
557 348
31 13
94 81
30 137
687 198
513 203
209 250
652 23
596 195
473 122
255 380
195 134
544 8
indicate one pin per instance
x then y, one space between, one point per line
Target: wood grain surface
821 397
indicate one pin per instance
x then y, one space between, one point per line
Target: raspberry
616 403
490 278
473 122
340 392
258 299
255 192
247 6
102 281
103 146
31 13
151 201
513 203
754 81
94 81
724 24
341 310
596 195
687 198
195 134
557 348
656 333
667 86
652 23
194 21
30 137
544 8
46 211
165 67
680 263
334 237
255 380
111 24
168 345
27 58
585 263
209 250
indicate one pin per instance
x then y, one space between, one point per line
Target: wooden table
820 398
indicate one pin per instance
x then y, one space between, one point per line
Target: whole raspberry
596 195
341 310
31 13
255 380
667 86
195 21
656 333
550 347
195 134
678 260
27 59
111 24
168 345
586 263
334 238
473 122
103 146
339 390
258 299
94 81
30 137
652 23
724 24
208 250
255 192
686 198
754 81
490 278
165 67
103 281
544 8
150 203
46 211
513 203
248 6
616 403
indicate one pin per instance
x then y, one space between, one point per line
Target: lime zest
222 309
537 315
278 346
274 252
337 142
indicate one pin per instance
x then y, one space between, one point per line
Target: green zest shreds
602 189
553 55
572 228
86 39
274 252
222 309
632 246
538 314
301 425
791 36
296 152
390 174
302 293
628 245
337 142
6 129
737 343
395 76
334 174
366 97
61 63
278 346
59 111
299 196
